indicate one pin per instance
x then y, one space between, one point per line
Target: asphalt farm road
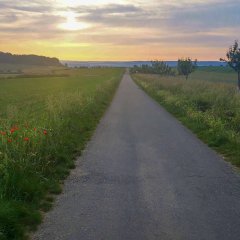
144 176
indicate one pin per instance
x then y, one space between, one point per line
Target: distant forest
28 59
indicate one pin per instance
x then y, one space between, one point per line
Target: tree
28 59
233 59
186 66
156 67
161 67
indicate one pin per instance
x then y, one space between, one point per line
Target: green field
11 70
44 122
207 103
215 74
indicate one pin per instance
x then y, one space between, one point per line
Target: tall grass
38 145
215 75
211 110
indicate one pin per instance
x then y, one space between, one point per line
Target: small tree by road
186 66
233 59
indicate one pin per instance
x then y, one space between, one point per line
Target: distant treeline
28 59
156 67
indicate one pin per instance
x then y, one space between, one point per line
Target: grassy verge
211 110
44 124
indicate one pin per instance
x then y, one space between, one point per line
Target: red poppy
26 139
45 132
13 129
35 129
3 133
9 140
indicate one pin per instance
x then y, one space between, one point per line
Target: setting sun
72 24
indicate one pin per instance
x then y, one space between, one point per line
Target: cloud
26 6
115 15
8 18
205 16
165 15
181 16
29 19
153 23
171 22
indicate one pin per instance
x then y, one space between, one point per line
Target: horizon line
133 60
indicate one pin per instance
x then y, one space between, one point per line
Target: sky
119 30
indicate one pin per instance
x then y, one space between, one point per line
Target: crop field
207 103
8 70
215 75
45 122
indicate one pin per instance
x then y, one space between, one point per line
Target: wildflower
26 139
15 127
35 129
3 133
45 132
9 140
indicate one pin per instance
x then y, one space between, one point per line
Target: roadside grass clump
38 145
211 110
